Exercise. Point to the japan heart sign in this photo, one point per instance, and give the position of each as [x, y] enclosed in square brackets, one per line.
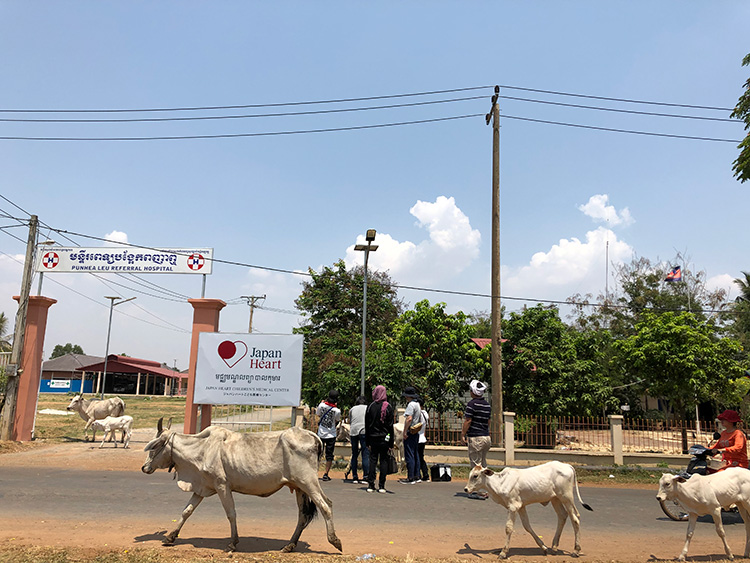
[248, 369]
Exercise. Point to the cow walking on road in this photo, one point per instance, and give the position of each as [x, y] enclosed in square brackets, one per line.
[552, 482]
[218, 461]
[708, 494]
[93, 409]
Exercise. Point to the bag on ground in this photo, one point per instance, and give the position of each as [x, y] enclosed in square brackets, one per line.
[392, 464]
[440, 472]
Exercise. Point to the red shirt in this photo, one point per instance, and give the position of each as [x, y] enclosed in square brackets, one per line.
[733, 446]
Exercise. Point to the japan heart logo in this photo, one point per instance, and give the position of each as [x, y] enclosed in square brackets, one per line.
[232, 352]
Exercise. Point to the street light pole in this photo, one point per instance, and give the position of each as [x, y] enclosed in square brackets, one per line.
[112, 305]
[366, 248]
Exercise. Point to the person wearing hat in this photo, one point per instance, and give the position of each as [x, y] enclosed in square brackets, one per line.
[412, 425]
[732, 444]
[475, 431]
[329, 417]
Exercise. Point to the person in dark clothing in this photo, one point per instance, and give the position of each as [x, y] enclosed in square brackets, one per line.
[423, 442]
[379, 436]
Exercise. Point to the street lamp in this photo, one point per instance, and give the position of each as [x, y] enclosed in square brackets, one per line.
[366, 248]
[41, 272]
[112, 305]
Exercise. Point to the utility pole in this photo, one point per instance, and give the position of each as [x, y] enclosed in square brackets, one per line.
[251, 301]
[496, 350]
[13, 373]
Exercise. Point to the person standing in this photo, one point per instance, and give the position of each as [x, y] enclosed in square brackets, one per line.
[329, 416]
[359, 440]
[732, 443]
[423, 442]
[412, 425]
[379, 437]
[475, 431]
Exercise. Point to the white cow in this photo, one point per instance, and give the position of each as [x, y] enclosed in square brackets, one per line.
[551, 482]
[219, 461]
[112, 423]
[94, 409]
[708, 494]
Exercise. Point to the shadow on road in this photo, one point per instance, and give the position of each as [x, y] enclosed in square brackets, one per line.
[249, 544]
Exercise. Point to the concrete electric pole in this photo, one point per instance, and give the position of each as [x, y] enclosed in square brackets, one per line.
[13, 373]
[496, 350]
[251, 301]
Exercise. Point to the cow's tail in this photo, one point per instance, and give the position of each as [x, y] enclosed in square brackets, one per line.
[578, 493]
[319, 443]
[309, 510]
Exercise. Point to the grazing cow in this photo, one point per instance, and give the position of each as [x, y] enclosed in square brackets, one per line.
[708, 494]
[94, 409]
[551, 482]
[112, 423]
[219, 461]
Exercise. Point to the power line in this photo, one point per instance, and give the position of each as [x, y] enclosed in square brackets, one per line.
[615, 130]
[615, 110]
[246, 116]
[239, 135]
[609, 99]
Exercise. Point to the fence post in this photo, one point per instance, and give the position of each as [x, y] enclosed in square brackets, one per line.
[615, 426]
[509, 435]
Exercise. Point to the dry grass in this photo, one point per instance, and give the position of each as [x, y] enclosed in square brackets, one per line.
[145, 411]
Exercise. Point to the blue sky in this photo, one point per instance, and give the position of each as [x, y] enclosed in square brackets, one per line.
[297, 201]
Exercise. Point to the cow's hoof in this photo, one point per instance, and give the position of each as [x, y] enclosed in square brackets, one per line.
[168, 542]
[502, 555]
[337, 544]
[230, 548]
[288, 548]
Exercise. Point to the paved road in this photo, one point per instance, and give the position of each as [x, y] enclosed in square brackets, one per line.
[142, 506]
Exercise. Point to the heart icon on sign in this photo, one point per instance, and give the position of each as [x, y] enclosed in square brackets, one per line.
[232, 352]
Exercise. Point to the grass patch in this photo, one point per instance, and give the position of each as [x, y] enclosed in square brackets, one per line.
[145, 411]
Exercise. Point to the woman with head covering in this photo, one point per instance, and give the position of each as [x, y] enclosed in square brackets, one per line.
[732, 443]
[476, 428]
[379, 437]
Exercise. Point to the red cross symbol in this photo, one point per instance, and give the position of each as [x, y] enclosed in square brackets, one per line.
[195, 261]
[50, 260]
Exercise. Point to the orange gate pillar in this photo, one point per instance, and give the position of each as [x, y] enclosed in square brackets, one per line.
[205, 319]
[31, 364]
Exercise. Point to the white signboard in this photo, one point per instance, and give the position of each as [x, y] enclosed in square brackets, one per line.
[59, 383]
[128, 260]
[248, 369]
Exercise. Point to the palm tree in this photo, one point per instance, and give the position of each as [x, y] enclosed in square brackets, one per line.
[744, 287]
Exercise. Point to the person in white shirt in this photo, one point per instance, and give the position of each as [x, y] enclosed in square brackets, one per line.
[329, 416]
[359, 441]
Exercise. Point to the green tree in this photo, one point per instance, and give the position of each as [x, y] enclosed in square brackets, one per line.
[5, 345]
[332, 304]
[680, 358]
[69, 348]
[440, 358]
[739, 313]
[481, 324]
[551, 369]
[742, 111]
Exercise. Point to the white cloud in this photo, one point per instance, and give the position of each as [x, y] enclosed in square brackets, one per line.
[598, 210]
[569, 267]
[116, 237]
[452, 241]
[725, 282]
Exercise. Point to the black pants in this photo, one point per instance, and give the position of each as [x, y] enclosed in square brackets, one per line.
[422, 462]
[378, 453]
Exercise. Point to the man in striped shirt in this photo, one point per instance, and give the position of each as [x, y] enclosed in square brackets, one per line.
[476, 428]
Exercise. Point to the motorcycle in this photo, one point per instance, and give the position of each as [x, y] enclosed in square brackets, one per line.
[699, 464]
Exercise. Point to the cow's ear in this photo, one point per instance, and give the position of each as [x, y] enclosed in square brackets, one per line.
[680, 479]
[488, 472]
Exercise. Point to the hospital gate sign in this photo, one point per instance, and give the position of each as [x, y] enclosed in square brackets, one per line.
[126, 260]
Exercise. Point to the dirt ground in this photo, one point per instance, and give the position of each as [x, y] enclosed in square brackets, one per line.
[431, 541]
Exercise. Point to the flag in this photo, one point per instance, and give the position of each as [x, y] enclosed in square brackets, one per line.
[675, 275]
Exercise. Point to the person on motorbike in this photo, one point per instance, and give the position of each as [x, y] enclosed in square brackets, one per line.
[732, 444]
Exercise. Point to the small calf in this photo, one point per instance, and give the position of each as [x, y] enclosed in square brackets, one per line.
[112, 423]
[553, 482]
[708, 494]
